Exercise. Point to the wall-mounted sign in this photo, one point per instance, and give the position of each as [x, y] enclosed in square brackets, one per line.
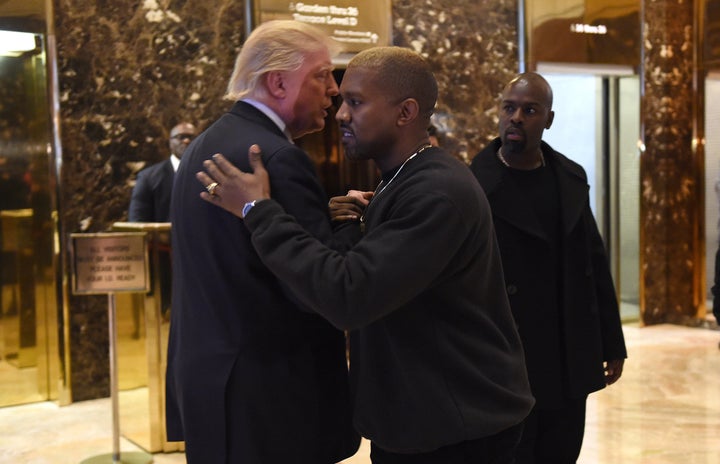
[583, 32]
[109, 262]
[355, 24]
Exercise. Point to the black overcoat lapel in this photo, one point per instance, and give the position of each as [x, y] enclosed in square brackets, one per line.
[510, 206]
[507, 202]
[573, 188]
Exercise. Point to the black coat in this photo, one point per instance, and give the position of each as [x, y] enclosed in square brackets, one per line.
[590, 330]
[150, 201]
[715, 289]
[241, 352]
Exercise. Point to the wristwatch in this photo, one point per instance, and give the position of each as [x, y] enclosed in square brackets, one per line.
[248, 206]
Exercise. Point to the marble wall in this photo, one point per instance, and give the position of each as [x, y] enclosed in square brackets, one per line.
[130, 70]
[473, 49]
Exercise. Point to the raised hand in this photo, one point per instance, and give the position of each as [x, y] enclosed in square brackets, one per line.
[349, 207]
[230, 188]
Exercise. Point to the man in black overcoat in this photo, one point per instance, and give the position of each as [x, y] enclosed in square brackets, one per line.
[556, 272]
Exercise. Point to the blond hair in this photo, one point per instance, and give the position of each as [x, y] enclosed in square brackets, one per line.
[279, 45]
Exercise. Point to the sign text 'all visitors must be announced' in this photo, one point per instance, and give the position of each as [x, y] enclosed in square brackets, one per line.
[110, 262]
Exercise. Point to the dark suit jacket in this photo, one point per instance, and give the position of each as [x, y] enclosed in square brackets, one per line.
[715, 289]
[590, 330]
[150, 201]
[247, 368]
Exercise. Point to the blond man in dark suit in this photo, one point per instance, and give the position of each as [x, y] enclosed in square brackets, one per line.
[251, 377]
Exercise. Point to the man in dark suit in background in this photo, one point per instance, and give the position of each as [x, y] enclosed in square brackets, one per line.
[556, 272]
[715, 289]
[252, 378]
[150, 201]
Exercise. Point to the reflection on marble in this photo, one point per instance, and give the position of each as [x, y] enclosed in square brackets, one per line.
[666, 407]
[17, 385]
[664, 410]
[43, 433]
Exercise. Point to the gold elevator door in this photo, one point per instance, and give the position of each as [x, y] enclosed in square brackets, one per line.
[28, 283]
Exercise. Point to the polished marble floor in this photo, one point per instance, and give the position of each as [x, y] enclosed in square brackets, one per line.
[665, 410]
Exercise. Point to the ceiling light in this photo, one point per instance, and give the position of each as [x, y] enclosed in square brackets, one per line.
[15, 43]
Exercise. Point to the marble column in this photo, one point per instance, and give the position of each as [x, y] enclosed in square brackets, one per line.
[671, 206]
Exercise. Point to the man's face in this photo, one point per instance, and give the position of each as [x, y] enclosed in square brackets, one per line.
[180, 137]
[524, 115]
[309, 91]
[366, 117]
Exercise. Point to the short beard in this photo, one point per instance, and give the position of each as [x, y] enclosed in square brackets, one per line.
[350, 153]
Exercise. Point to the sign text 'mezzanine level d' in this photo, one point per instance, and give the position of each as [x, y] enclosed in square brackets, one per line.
[110, 262]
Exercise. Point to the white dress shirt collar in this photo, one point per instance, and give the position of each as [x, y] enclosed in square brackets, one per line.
[175, 161]
[270, 114]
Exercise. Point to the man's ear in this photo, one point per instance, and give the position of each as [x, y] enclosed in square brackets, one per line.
[275, 84]
[409, 110]
[550, 119]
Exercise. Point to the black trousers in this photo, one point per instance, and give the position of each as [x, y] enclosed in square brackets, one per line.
[495, 449]
[553, 435]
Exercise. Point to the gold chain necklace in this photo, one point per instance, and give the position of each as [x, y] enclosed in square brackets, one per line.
[384, 186]
[504, 161]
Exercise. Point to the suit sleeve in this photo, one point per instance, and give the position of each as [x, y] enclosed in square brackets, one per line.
[390, 266]
[716, 287]
[141, 202]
